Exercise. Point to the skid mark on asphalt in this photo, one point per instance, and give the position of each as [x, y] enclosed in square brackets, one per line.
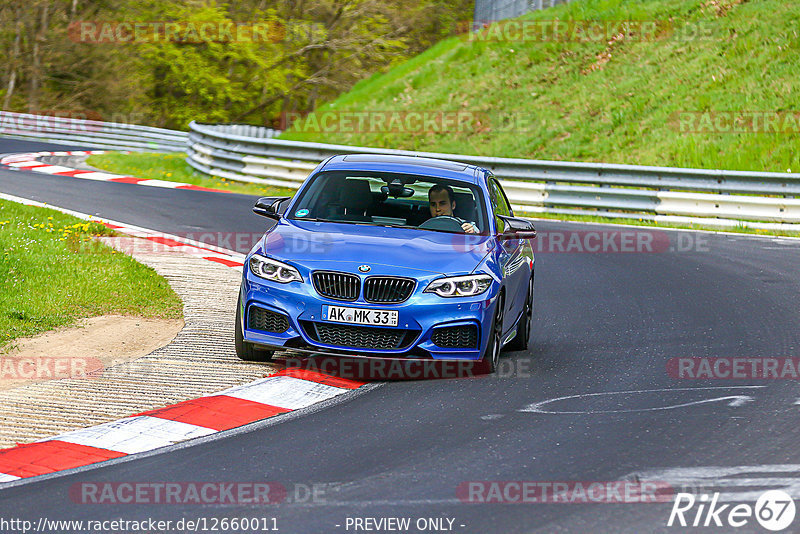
[743, 483]
[734, 401]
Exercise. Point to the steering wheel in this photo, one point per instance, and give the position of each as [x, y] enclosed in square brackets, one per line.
[445, 223]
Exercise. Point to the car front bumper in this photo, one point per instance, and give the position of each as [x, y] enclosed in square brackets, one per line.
[417, 316]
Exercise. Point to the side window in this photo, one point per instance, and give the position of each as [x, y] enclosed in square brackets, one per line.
[499, 203]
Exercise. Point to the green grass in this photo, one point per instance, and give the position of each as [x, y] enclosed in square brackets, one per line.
[52, 273]
[557, 107]
[173, 168]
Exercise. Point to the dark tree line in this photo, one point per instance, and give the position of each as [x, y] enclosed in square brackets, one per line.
[81, 57]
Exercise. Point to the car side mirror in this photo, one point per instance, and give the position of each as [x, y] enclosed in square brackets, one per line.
[272, 207]
[516, 228]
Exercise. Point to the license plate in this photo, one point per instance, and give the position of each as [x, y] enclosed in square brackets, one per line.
[341, 314]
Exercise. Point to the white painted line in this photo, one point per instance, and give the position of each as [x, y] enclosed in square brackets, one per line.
[7, 478]
[206, 254]
[195, 251]
[30, 162]
[143, 245]
[134, 434]
[97, 175]
[24, 163]
[161, 183]
[284, 392]
[17, 157]
[125, 228]
[52, 169]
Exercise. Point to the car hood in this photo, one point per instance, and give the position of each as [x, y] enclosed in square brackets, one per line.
[326, 245]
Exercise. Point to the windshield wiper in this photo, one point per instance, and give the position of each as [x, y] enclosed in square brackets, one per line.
[312, 219]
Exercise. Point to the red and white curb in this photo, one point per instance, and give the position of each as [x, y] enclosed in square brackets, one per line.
[30, 162]
[164, 242]
[281, 392]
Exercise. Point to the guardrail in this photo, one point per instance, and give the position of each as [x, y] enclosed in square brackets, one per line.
[486, 11]
[90, 133]
[251, 154]
[716, 197]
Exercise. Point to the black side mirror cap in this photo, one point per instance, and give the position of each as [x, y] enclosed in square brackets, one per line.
[272, 207]
[517, 228]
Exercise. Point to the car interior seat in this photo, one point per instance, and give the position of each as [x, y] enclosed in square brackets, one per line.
[465, 207]
[355, 198]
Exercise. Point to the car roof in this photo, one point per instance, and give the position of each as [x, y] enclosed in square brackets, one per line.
[439, 168]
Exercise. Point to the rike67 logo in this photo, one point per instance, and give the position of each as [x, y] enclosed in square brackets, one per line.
[774, 510]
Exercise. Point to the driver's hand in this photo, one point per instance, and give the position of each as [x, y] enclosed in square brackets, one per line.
[469, 228]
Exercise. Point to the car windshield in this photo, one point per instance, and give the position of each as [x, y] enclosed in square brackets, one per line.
[387, 199]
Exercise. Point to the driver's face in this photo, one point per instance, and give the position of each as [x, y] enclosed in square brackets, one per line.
[440, 204]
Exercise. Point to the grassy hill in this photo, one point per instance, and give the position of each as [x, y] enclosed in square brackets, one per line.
[619, 98]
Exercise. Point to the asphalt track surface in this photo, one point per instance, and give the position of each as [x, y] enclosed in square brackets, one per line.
[603, 322]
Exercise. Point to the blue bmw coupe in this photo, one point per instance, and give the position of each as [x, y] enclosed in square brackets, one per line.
[397, 257]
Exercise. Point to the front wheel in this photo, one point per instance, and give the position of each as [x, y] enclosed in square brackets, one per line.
[491, 355]
[520, 341]
[244, 350]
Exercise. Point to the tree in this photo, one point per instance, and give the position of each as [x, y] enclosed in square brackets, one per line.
[312, 53]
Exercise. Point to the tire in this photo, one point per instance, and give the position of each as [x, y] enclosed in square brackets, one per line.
[520, 341]
[491, 356]
[244, 350]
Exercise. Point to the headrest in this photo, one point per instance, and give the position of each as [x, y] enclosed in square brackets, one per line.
[355, 195]
[465, 206]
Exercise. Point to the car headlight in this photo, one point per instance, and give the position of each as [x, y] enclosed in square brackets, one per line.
[460, 286]
[274, 270]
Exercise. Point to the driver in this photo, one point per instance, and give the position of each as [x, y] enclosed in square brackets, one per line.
[442, 204]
